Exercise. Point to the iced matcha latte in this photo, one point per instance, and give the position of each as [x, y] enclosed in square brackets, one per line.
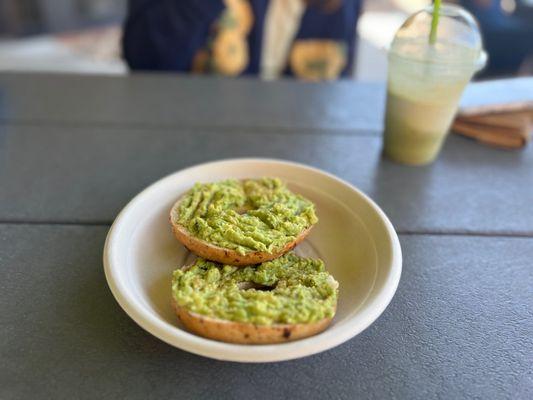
[426, 80]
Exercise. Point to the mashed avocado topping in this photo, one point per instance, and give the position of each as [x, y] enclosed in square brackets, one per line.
[287, 290]
[251, 215]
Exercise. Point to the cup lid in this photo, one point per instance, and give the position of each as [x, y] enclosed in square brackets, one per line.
[456, 40]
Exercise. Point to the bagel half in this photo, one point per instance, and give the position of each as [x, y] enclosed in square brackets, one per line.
[246, 333]
[223, 255]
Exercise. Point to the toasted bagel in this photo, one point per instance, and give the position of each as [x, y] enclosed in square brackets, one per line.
[214, 252]
[247, 332]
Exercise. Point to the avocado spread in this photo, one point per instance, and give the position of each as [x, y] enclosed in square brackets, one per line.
[287, 290]
[245, 216]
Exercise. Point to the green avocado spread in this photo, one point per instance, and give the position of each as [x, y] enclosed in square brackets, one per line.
[250, 215]
[287, 290]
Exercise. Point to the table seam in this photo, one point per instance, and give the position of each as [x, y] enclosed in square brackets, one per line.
[401, 232]
[281, 129]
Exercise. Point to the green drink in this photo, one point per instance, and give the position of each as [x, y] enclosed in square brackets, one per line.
[426, 80]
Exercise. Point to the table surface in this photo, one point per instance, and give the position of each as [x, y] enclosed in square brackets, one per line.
[74, 150]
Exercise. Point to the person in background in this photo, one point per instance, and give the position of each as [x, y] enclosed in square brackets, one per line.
[507, 28]
[308, 39]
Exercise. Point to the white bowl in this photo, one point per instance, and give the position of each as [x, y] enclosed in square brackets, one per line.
[353, 237]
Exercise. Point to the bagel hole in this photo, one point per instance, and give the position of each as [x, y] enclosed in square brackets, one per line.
[256, 286]
[242, 210]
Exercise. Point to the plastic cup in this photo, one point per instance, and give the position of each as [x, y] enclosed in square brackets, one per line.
[426, 80]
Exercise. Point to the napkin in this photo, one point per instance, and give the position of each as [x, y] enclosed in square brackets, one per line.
[498, 120]
[508, 128]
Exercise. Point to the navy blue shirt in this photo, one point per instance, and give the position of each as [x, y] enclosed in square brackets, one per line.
[207, 36]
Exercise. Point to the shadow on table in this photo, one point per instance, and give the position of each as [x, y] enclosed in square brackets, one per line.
[463, 152]
[411, 195]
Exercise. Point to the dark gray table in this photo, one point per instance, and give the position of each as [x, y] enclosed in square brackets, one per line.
[74, 150]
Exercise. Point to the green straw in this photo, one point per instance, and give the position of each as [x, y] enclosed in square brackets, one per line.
[434, 22]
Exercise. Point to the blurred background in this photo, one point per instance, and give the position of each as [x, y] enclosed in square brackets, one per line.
[83, 36]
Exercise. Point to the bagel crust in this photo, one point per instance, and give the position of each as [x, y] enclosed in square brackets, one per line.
[246, 333]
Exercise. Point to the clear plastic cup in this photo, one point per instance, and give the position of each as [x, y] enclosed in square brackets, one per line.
[426, 80]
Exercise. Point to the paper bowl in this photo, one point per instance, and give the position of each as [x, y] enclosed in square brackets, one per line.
[353, 236]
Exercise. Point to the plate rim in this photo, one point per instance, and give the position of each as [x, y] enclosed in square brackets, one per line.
[189, 342]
